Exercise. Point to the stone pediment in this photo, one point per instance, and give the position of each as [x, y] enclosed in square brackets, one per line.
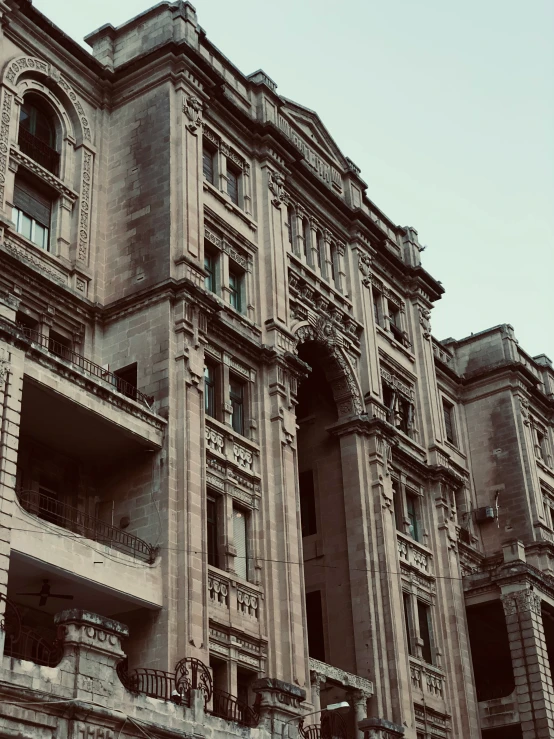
[311, 128]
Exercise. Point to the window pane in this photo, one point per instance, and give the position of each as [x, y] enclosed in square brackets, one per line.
[236, 393]
[411, 507]
[397, 500]
[208, 165]
[25, 224]
[240, 542]
[209, 266]
[306, 234]
[232, 185]
[448, 421]
[320, 251]
[333, 256]
[235, 291]
[407, 621]
[424, 618]
[209, 391]
[213, 558]
[40, 236]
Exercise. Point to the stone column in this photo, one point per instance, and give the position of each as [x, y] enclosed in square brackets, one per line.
[316, 681]
[91, 653]
[380, 728]
[280, 707]
[358, 700]
[534, 688]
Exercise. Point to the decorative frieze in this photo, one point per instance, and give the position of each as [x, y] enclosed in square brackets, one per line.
[218, 591]
[214, 440]
[243, 457]
[248, 602]
[232, 251]
[396, 382]
[4, 140]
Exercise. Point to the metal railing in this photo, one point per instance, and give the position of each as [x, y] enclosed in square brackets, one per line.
[226, 706]
[332, 726]
[64, 352]
[154, 683]
[24, 642]
[54, 511]
[38, 151]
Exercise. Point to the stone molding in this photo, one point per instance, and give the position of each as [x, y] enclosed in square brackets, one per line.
[380, 728]
[346, 679]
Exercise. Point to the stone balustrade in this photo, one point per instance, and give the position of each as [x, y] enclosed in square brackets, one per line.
[224, 443]
[427, 679]
[225, 592]
[414, 554]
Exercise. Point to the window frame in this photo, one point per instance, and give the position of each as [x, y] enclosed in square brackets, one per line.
[210, 388]
[209, 152]
[239, 401]
[236, 173]
[427, 645]
[213, 525]
[236, 291]
[308, 504]
[211, 267]
[240, 513]
[449, 417]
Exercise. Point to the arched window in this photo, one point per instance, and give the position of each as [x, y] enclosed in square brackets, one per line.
[37, 133]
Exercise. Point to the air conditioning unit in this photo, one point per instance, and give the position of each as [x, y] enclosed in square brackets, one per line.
[485, 515]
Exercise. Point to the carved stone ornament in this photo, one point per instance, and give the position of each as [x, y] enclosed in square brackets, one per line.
[524, 410]
[193, 107]
[364, 264]
[521, 601]
[425, 322]
[276, 184]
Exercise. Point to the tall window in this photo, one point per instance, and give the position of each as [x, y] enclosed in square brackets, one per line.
[233, 175]
[425, 630]
[290, 226]
[235, 289]
[377, 307]
[408, 622]
[208, 159]
[333, 264]
[397, 502]
[236, 396]
[448, 412]
[209, 390]
[320, 250]
[37, 136]
[394, 321]
[307, 503]
[314, 619]
[210, 265]
[412, 510]
[212, 532]
[306, 235]
[32, 212]
[240, 541]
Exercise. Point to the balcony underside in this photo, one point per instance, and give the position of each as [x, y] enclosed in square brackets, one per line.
[69, 419]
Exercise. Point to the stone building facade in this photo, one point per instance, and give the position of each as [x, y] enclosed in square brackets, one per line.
[240, 481]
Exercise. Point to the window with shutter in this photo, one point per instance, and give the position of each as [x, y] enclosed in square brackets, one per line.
[31, 212]
[240, 542]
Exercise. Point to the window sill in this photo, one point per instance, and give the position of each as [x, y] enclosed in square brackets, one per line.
[396, 344]
[228, 203]
[43, 261]
[541, 464]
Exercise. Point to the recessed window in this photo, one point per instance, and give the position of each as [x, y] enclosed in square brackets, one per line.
[320, 251]
[448, 412]
[31, 212]
[208, 162]
[240, 541]
[307, 503]
[37, 135]
[233, 176]
[235, 289]
[290, 224]
[412, 511]
[397, 502]
[314, 620]
[333, 257]
[210, 267]
[377, 308]
[394, 321]
[306, 239]
[425, 631]
[408, 622]
[210, 375]
[212, 532]
[236, 396]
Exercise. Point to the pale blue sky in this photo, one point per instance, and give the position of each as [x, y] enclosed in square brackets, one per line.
[448, 108]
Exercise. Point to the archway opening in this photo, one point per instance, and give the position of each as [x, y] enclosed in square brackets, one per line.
[328, 601]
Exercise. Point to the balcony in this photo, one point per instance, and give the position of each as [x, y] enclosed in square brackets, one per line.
[90, 368]
[225, 705]
[414, 554]
[332, 726]
[39, 151]
[72, 519]
[27, 643]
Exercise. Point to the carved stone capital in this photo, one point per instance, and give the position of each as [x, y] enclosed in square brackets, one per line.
[521, 601]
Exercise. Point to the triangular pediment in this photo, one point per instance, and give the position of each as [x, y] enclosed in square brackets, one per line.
[310, 126]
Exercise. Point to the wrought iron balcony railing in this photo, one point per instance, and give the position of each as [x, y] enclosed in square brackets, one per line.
[24, 642]
[63, 352]
[332, 726]
[39, 151]
[70, 518]
[228, 707]
[190, 674]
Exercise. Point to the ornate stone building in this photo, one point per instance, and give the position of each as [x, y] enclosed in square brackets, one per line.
[231, 448]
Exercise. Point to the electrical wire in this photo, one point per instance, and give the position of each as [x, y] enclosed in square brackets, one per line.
[373, 570]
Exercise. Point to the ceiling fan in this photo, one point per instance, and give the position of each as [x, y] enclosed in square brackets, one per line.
[44, 593]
